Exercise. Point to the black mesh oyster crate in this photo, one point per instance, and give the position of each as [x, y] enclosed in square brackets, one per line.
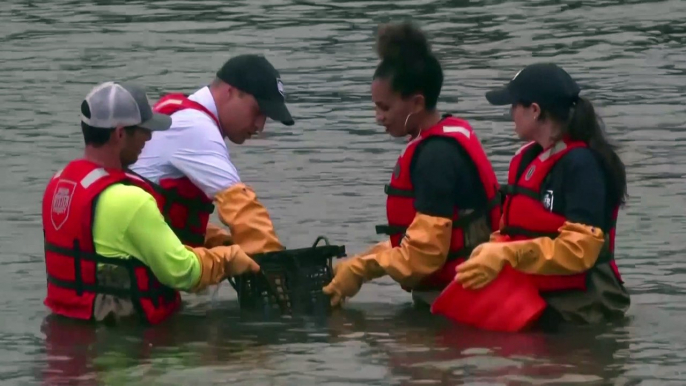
[289, 281]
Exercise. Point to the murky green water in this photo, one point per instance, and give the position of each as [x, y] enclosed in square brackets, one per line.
[325, 176]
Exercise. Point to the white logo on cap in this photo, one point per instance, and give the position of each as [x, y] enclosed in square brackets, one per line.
[516, 75]
[279, 86]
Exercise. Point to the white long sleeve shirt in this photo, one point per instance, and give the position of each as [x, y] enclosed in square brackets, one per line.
[192, 147]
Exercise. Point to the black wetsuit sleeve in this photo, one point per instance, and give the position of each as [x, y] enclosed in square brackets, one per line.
[585, 192]
[444, 177]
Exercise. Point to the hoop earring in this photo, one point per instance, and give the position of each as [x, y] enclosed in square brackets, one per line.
[407, 119]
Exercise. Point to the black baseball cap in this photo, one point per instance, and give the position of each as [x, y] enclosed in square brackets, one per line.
[543, 83]
[254, 75]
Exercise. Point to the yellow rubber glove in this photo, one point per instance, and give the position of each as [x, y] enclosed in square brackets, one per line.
[218, 263]
[423, 251]
[349, 274]
[575, 250]
[376, 248]
[216, 236]
[247, 219]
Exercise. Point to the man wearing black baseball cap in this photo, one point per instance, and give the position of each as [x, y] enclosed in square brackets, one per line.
[254, 75]
[190, 162]
[564, 191]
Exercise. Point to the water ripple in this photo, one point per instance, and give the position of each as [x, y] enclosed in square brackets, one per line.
[325, 175]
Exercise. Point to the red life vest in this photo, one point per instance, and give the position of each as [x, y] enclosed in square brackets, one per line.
[70, 258]
[400, 209]
[526, 217]
[185, 207]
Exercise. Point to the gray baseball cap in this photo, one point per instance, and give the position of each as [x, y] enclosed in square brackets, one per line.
[112, 104]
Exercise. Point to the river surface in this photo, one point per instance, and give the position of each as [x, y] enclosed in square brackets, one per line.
[325, 175]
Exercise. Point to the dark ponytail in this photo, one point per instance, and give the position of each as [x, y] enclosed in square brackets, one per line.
[585, 125]
[407, 61]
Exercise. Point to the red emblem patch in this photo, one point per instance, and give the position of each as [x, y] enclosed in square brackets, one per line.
[61, 202]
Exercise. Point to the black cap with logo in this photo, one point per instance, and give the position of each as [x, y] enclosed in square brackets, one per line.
[543, 83]
[254, 75]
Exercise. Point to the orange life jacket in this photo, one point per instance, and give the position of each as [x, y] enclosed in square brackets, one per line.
[400, 209]
[526, 217]
[70, 258]
[185, 207]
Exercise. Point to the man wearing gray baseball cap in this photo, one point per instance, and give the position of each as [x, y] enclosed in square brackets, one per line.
[109, 253]
[118, 116]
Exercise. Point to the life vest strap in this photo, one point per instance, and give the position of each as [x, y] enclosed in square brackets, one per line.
[513, 231]
[389, 230]
[391, 191]
[133, 292]
[461, 222]
[77, 285]
[78, 254]
[513, 190]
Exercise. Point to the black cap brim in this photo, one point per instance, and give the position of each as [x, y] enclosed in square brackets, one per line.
[158, 122]
[276, 110]
[500, 97]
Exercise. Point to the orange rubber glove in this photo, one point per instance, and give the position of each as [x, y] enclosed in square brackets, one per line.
[423, 251]
[575, 250]
[218, 263]
[247, 219]
[376, 248]
[216, 236]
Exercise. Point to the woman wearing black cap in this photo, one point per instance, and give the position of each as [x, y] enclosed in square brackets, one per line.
[565, 188]
[443, 194]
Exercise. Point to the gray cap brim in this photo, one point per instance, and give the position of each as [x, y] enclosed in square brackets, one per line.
[276, 110]
[500, 97]
[158, 122]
